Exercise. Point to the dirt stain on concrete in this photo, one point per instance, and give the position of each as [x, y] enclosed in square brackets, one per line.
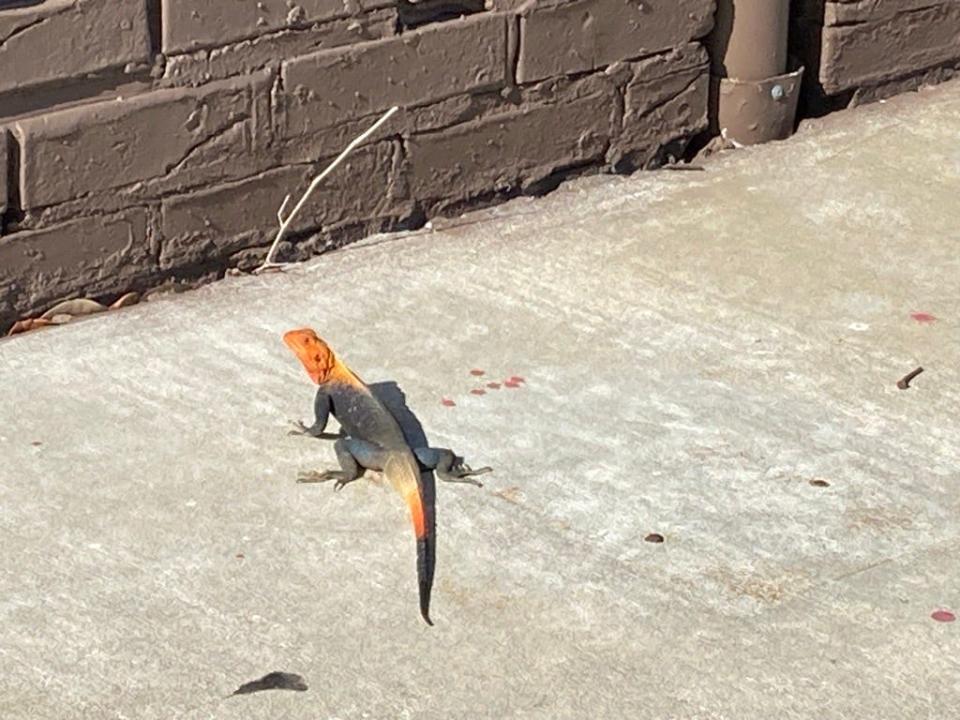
[878, 519]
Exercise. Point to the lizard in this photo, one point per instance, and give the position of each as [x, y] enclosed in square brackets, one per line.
[370, 438]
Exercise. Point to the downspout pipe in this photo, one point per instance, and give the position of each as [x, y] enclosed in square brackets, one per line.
[755, 91]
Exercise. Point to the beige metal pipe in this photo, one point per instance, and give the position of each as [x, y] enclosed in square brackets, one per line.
[749, 39]
[754, 93]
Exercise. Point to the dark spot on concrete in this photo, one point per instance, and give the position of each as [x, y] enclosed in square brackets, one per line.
[904, 382]
[654, 538]
[477, 372]
[36, 443]
[478, 391]
[943, 616]
[511, 384]
[517, 379]
[447, 402]
[817, 482]
[493, 385]
[240, 556]
[273, 681]
[923, 317]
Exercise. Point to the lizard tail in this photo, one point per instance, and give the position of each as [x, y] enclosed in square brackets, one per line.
[404, 475]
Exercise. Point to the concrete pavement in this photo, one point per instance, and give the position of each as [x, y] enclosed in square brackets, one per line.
[711, 356]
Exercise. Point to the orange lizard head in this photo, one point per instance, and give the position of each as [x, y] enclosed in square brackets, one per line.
[317, 357]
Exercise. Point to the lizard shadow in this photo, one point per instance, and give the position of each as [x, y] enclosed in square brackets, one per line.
[393, 398]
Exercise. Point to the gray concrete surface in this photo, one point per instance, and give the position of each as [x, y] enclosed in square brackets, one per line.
[697, 347]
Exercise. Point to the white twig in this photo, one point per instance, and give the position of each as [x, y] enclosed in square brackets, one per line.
[283, 207]
[286, 220]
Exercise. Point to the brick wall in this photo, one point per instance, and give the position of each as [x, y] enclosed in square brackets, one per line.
[149, 140]
[860, 50]
[143, 140]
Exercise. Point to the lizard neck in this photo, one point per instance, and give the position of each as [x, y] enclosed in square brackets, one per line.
[343, 375]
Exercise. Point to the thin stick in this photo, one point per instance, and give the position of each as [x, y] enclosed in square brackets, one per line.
[283, 206]
[286, 221]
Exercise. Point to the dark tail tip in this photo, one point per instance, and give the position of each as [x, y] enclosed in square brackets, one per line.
[425, 606]
[425, 565]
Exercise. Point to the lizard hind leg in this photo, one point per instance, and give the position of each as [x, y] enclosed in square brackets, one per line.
[448, 466]
[350, 469]
[354, 456]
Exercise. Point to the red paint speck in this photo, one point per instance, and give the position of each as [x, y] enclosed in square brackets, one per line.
[943, 616]
[511, 383]
[517, 379]
[477, 372]
[478, 391]
[493, 385]
[922, 317]
[447, 402]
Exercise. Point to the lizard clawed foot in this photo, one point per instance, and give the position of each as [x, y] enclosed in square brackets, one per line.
[298, 428]
[463, 470]
[314, 476]
[461, 480]
[462, 473]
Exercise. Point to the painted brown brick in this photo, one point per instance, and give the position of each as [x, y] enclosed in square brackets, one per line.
[244, 56]
[106, 145]
[871, 44]
[589, 34]
[62, 39]
[515, 148]
[848, 12]
[415, 68]
[87, 256]
[221, 220]
[665, 99]
[193, 24]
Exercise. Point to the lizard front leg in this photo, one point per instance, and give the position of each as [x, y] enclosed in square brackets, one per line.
[321, 411]
[449, 467]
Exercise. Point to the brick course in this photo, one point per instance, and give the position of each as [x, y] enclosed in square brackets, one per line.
[193, 24]
[245, 56]
[415, 68]
[88, 256]
[216, 222]
[99, 147]
[468, 159]
[62, 39]
[588, 34]
[860, 50]
[871, 44]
